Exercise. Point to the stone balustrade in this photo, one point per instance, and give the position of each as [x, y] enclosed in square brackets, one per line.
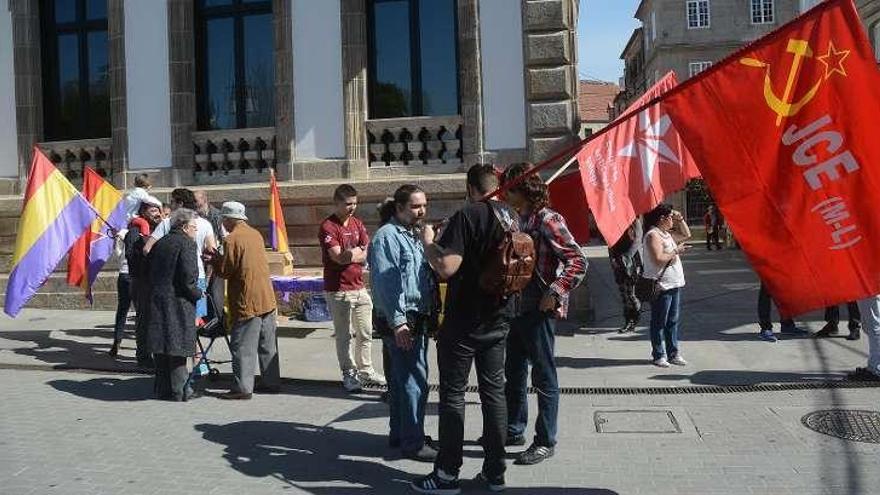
[414, 141]
[235, 155]
[71, 157]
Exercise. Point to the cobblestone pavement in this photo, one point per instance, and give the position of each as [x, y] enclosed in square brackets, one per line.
[73, 433]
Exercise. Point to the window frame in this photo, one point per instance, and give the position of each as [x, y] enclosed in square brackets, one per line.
[237, 11]
[415, 68]
[50, 31]
[875, 38]
[697, 4]
[762, 13]
[701, 66]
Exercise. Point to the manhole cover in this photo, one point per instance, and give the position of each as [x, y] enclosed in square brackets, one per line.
[636, 421]
[858, 426]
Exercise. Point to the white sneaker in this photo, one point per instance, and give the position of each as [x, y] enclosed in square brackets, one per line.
[660, 363]
[678, 361]
[372, 378]
[350, 382]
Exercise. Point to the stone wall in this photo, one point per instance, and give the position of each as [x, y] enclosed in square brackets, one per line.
[550, 39]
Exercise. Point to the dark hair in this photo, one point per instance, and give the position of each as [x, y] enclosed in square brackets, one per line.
[142, 180]
[533, 187]
[652, 218]
[184, 197]
[482, 177]
[401, 197]
[344, 192]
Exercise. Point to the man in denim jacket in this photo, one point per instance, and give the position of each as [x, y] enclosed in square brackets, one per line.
[404, 297]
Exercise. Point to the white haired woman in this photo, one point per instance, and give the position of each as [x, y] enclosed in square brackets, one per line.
[174, 293]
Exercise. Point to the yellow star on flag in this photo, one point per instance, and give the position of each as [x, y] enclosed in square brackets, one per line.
[833, 60]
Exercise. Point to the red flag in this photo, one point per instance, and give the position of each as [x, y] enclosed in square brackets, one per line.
[78, 256]
[629, 169]
[568, 198]
[785, 135]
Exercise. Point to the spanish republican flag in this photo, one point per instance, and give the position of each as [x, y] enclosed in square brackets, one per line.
[95, 246]
[785, 134]
[277, 227]
[53, 216]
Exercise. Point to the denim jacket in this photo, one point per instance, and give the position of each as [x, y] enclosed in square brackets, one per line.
[400, 276]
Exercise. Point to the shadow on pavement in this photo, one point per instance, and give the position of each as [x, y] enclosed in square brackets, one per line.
[68, 352]
[737, 377]
[319, 460]
[108, 389]
[584, 363]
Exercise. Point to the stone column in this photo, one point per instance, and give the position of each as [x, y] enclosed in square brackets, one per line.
[470, 82]
[551, 86]
[354, 77]
[284, 121]
[181, 41]
[28, 80]
[118, 109]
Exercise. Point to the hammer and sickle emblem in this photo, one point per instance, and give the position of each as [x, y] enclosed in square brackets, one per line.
[783, 107]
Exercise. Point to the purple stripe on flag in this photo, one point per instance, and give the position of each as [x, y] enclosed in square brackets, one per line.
[273, 235]
[118, 218]
[100, 251]
[41, 259]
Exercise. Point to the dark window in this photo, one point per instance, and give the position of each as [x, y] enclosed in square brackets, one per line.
[235, 64]
[413, 58]
[76, 92]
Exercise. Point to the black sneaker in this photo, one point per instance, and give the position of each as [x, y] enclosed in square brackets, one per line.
[854, 334]
[493, 484]
[534, 454]
[424, 454]
[514, 441]
[826, 331]
[437, 485]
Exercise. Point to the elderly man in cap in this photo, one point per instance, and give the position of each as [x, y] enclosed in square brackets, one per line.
[251, 305]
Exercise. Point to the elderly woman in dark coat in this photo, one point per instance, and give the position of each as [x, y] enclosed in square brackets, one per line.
[172, 330]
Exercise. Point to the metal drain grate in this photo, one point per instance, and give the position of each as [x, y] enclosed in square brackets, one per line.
[854, 425]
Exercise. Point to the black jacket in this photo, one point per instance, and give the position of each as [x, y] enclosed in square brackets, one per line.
[173, 295]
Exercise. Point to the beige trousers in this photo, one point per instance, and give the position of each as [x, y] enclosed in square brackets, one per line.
[352, 313]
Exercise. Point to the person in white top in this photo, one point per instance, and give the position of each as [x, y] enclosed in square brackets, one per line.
[664, 242]
[137, 194]
[184, 198]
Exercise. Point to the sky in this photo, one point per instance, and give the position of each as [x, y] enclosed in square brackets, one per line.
[604, 27]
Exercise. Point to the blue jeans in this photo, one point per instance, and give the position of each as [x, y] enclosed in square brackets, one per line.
[408, 392]
[664, 324]
[532, 340]
[202, 304]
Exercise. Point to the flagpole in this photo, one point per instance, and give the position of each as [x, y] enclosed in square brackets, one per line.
[561, 170]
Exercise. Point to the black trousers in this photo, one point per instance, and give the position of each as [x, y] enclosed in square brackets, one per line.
[764, 311]
[171, 375]
[123, 304]
[832, 315]
[456, 350]
[143, 324]
[711, 237]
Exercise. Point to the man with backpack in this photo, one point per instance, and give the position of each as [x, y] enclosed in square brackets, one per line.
[560, 267]
[475, 326]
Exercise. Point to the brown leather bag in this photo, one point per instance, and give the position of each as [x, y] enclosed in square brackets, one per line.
[509, 266]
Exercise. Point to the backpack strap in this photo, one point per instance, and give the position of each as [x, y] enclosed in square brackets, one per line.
[508, 223]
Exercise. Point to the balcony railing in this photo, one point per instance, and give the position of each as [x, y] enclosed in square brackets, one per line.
[414, 141]
[235, 155]
[71, 157]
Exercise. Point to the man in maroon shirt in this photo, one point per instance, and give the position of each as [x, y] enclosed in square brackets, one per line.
[344, 244]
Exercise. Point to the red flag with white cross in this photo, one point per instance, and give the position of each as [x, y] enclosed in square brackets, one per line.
[785, 133]
[630, 168]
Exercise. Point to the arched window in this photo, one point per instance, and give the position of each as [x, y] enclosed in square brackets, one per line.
[413, 50]
[76, 93]
[235, 65]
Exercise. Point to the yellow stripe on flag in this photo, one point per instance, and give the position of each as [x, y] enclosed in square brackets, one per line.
[106, 199]
[40, 211]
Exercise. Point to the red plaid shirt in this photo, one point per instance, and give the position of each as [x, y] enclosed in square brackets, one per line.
[560, 265]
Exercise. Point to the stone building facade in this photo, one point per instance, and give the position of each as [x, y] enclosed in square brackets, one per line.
[515, 62]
